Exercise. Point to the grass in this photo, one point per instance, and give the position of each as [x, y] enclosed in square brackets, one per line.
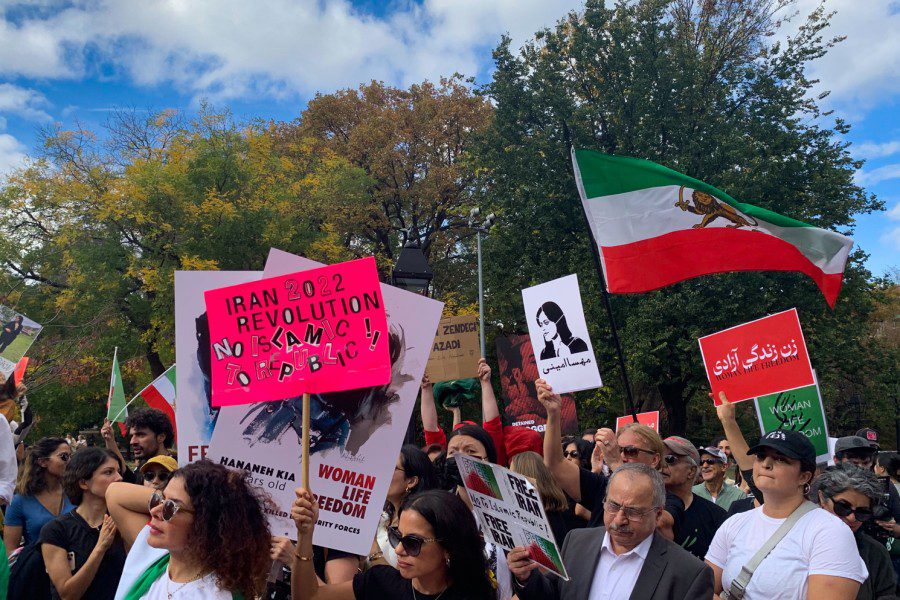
[18, 348]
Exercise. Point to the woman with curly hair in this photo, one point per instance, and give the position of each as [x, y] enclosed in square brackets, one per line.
[207, 536]
[39, 494]
[439, 555]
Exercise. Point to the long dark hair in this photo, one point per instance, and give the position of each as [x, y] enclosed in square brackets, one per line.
[230, 532]
[555, 314]
[584, 447]
[33, 476]
[454, 526]
[81, 468]
[417, 464]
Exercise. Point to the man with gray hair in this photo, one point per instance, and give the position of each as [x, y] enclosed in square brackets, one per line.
[626, 559]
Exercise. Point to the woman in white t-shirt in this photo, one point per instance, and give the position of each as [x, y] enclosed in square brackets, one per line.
[816, 560]
[207, 536]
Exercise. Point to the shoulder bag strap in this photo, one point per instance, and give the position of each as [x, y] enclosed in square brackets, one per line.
[739, 583]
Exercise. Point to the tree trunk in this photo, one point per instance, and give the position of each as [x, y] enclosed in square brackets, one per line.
[672, 395]
[157, 367]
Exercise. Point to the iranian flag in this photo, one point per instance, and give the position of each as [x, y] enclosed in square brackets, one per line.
[655, 227]
[160, 394]
[116, 408]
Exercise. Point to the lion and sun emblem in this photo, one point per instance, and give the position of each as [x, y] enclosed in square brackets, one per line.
[711, 209]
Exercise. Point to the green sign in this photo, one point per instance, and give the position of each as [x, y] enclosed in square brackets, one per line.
[799, 409]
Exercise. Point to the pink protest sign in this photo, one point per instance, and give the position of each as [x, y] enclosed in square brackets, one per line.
[317, 331]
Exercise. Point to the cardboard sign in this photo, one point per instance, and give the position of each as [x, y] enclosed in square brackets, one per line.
[456, 349]
[510, 511]
[17, 334]
[558, 330]
[650, 419]
[322, 330]
[761, 357]
[355, 435]
[801, 410]
[518, 372]
[195, 415]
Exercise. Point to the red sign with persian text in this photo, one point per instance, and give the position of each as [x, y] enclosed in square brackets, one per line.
[765, 356]
[650, 419]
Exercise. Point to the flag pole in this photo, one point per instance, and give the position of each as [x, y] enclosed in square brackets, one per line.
[598, 264]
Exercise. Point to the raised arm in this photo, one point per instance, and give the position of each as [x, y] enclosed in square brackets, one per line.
[489, 408]
[129, 506]
[304, 583]
[109, 439]
[429, 412]
[566, 473]
[733, 434]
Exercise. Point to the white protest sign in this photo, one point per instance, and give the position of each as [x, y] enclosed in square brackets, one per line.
[355, 435]
[17, 334]
[194, 415]
[510, 511]
[559, 335]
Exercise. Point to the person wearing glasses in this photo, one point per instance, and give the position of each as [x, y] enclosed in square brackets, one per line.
[713, 469]
[849, 493]
[82, 552]
[39, 496]
[626, 558]
[633, 443]
[439, 555]
[861, 452]
[817, 558]
[207, 537]
[701, 517]
[157, 471]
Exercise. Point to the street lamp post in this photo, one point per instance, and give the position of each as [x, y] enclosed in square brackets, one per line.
[480, 228]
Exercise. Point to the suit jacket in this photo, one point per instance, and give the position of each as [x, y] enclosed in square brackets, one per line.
[669, 572]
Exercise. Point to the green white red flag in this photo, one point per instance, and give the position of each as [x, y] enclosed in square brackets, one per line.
[655, 227]
[116, 408]
[160, 394]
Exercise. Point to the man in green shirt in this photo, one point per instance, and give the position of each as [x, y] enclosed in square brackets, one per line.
[713, 465]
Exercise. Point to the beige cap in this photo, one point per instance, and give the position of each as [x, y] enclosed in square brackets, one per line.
[161, 459]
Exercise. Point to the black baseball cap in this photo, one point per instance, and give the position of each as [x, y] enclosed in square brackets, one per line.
[792, 444]
[870, 435]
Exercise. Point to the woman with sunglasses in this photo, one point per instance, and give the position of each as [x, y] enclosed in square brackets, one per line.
[849, 492]
[816, 559]
[439, 555]
[82, 552]
[207, 537]
[39, 494]
[156, 471]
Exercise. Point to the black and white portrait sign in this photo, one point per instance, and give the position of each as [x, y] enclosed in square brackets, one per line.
[559, 335]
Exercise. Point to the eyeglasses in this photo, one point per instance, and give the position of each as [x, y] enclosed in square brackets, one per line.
[710, 461]
[632, 514]
[671, 459]
[152, 476]
[170, 508]
[64, 456]
[412, 543]
[633, 451]
[842, 508]
[573, 454]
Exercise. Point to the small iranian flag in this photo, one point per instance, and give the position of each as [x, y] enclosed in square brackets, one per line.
[655, 227]
[116, 408]
[160, 394]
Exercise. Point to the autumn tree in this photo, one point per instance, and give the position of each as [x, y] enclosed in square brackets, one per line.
[702, 88]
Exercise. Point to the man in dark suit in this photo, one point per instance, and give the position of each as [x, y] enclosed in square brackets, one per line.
[627, 559]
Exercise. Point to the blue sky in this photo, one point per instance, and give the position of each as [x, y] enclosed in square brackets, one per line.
[68, 61]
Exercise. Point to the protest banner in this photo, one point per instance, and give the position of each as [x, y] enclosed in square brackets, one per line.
[650, 419]
[510, 511]
[17, 334]
[518, 372]
[762, 357]
[800, 409]
[315, 331]
[455, 351]
[194, 414]
[556, 325]
[356, 434]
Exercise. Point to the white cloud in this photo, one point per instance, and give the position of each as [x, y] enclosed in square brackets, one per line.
[875, 150]
[26, 103]
[875, 176]
[12, 153]
[235, 48]
[891, 237]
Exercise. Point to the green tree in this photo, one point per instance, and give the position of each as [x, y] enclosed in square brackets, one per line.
[701, 88]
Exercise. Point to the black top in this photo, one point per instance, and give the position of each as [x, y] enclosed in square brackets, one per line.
[73, 534]
[382, 582]
[740, 506]
[755, 491]
[701, 521]
[562, 522]
[881, 579]
[593, 490]
[321, 556]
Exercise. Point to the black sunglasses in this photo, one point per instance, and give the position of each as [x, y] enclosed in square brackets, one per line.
[573, 454]
[842, 508]
[170, 508]
[710, 461]
[633, 451]
[412, 543]
[152, 476]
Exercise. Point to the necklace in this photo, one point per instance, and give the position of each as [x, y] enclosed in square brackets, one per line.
[415, 596]
[170, 594]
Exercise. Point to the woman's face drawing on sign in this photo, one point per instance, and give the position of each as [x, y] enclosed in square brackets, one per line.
[547, 325]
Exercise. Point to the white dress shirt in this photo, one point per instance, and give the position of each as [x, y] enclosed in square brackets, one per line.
[616, 575]
[9, 467]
